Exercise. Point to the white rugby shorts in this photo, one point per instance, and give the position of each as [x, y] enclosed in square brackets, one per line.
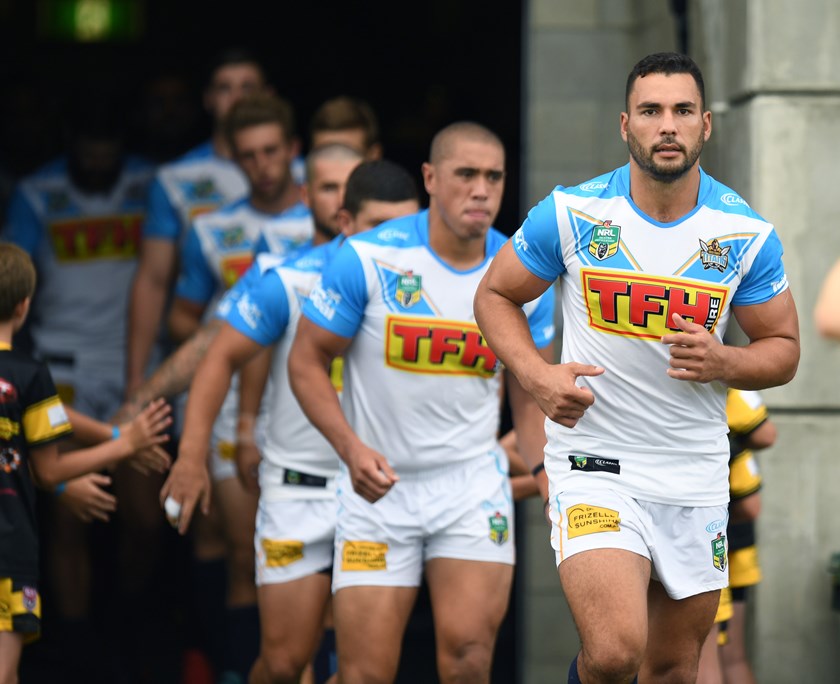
[462, 511]
[294, 538]
[687, 547]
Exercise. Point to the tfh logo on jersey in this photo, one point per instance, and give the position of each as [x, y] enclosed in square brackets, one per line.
[605, 239]
[635, 305]
[409, 289]
[233, 267]
[96, 237]
[436, 346]
[712, 255]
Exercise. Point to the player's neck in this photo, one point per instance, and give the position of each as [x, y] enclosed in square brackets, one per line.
[664, 202]
[220, 145]
[286, 199]
[460, 253]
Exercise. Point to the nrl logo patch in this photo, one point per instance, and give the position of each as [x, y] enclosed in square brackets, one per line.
[712, 255]
[409, 288]
[605, 239]
[719, 552]
[499, 530]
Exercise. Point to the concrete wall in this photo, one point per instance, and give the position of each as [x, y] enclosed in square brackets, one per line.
[773, 82]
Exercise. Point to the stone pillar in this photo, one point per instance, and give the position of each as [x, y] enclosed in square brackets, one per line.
[775, 93]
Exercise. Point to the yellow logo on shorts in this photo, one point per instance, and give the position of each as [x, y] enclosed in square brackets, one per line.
[227, 451]
[363, 555]
[281, 552]
[586, 519]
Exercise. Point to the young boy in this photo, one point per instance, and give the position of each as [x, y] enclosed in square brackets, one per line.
[32, 421]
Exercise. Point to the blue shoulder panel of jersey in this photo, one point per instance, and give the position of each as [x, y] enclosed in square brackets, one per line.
[338, 300]
[610, 184]
[766, 277]
[261, 311]
[716, 195]
[196, 281]
[537, 241]
[22, 225]
[404, 231]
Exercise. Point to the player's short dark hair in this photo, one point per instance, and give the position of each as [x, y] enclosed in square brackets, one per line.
[381, 180]
[17, 278]
[666, 63]
[343, 113]
[234, 56]
[259, 109]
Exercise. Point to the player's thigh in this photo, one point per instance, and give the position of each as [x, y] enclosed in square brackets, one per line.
[607, 593]
[709, 669]
[369, 625]
[676, 631]
[469, 599]
[292, 615]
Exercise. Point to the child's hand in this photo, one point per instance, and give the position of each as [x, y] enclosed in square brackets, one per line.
[88, 499]
[150, 460]
[148, 428]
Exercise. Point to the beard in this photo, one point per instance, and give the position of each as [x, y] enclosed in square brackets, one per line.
[664, 172]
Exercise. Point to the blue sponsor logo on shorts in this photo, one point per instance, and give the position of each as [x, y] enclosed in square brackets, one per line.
[716, 525]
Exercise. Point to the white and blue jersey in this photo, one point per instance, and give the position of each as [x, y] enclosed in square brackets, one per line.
[265, 306]
[85, 248]
[274, 235]
[421, 386]
[219, 247]
[198, 182]
[623, 275]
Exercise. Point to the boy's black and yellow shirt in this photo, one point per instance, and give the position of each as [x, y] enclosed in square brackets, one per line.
[31, 416]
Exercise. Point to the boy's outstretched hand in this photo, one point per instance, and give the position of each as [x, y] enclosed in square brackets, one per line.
[145, 433]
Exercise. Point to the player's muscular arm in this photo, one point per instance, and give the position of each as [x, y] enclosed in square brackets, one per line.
[312, 352]
[188, 482]
[174, 375]
[827, 309]
[154, 276]
[252, 381]
[763, 437]
[770, 358]
[506, 286]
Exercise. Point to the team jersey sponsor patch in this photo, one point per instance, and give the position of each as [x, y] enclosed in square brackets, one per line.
[585, 519]
[281, 552]
[499, 529]
[591, 464]
[409, 289]
[630, 304]
[9, 460]
[363, 555]
[605, 240]
[227, 450]
[233, 267]
[719, 552]
[437, 346]
[712, 255]
[96, 237]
